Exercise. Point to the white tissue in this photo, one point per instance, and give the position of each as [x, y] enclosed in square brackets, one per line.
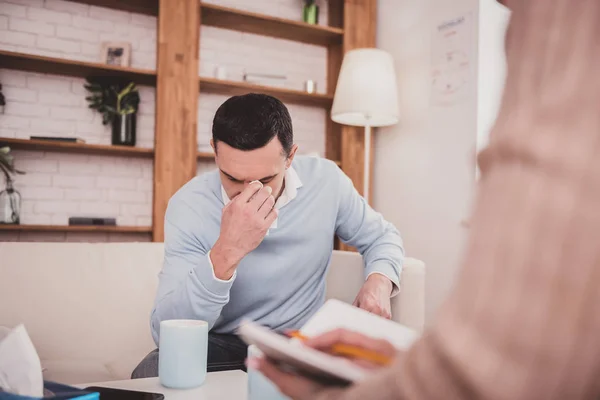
[20, 367]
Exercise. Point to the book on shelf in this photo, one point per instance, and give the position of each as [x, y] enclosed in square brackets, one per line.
[92, 221]
[58, 139]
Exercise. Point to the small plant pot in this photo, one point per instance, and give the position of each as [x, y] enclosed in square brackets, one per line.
[123, 129]
[310, 14]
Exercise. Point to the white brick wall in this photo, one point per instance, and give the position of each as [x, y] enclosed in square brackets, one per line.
[75, 31]
[59, 185]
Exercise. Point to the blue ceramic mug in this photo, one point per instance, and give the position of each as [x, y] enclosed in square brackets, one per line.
[182, 354]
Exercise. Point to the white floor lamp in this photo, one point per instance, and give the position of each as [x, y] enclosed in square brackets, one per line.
[366, 95]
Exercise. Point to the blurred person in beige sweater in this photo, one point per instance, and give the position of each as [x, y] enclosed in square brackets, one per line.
[523, 320]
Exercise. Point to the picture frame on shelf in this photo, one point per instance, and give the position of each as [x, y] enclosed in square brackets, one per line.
[116, 53]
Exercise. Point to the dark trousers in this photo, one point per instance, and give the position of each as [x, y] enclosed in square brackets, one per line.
[225, 352]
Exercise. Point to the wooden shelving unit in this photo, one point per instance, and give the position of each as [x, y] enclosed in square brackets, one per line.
[352, 24]
[239, 20]
[79, 69]
[80, 148]
[260, 24]
[211, 85]
[76, 228]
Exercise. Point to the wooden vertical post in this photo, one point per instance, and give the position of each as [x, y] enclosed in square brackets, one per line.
[360, 30]
[175, 141]
[335, 54]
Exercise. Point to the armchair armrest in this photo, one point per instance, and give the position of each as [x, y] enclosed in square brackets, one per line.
[408, 307]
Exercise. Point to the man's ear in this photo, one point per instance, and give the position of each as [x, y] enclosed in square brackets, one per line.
[290, 158]
[214, 147]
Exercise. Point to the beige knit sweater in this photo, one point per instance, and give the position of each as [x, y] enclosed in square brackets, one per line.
[523, 321]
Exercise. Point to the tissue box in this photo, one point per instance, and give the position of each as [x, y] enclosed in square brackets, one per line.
[59, 392]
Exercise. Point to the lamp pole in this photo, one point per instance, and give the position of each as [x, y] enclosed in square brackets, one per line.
[367, 166]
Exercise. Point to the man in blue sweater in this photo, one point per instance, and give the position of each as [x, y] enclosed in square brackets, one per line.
[254, 238]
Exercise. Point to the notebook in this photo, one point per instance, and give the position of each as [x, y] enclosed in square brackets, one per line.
[328, 369]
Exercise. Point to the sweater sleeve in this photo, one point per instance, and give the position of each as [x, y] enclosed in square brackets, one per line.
[358, 225]
[188, 288]
[522, 321]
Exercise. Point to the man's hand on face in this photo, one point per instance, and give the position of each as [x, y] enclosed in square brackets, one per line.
[244, 224]
[374, 296]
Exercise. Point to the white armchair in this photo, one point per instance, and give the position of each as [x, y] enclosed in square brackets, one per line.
[346, 276]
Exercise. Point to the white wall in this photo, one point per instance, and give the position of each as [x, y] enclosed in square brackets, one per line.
[492, 66]
[425, 166]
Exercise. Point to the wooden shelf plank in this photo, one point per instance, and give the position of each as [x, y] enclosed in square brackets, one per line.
[206, 155]
[75, 228]
[245, 21]
[81, 148]
[148, 7]
[229, 88]
[80, 69]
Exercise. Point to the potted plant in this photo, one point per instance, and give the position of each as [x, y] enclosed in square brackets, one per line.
[310, 12]
[118, 103]
[10, 199]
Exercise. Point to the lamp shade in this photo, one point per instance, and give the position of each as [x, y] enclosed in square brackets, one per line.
[366, 91]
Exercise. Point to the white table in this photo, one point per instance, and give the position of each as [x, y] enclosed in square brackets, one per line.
[229, 385]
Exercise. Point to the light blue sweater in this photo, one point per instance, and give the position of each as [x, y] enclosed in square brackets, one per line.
[282, 282]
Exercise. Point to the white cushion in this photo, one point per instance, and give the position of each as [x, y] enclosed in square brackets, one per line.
[85, 304]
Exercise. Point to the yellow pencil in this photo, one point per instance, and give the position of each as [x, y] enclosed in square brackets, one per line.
[351, 351]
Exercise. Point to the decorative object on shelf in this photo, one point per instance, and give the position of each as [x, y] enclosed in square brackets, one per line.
[366, 95]
[221, 72]
[2, 100]
[310, 12]
[259, 78]
[92, 221]
[10, 199]
[58, 139]
[118, 103]
[116, 53]
[310, 86]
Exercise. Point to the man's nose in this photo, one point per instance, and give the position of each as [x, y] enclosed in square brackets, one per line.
[247, 183]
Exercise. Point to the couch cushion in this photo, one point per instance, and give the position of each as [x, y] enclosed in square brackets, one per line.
[86, 305]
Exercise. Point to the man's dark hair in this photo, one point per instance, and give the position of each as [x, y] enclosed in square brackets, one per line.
[251, 121]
